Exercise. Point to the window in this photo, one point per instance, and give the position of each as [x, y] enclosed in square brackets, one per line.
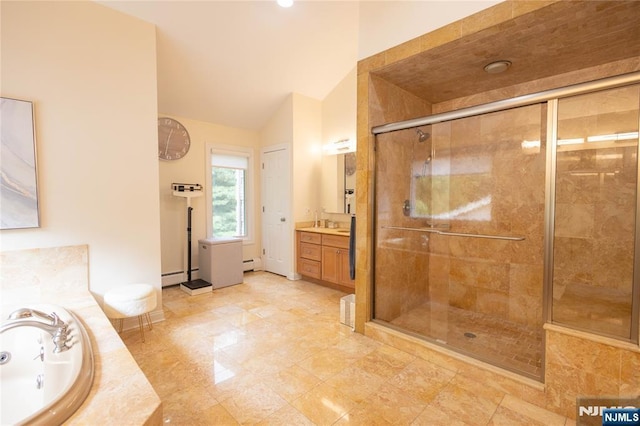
[229, 192]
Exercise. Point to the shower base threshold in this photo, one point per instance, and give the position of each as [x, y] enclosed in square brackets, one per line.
[499, 342]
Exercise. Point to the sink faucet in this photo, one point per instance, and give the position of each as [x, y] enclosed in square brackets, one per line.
[50, 323]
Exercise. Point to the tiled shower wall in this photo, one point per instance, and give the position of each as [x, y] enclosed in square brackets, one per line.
[403, 261]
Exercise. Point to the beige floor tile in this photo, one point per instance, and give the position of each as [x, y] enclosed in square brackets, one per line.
[466, 403]
[187, 401]
[422, 379]
[286, 416]
[247, 349]
[290, 383]
[389, 405]
[227, 338]
[362, 416]
[513, 410]
[217, 415]
[385, 361]
[254, 404]
[327, 363]
[300, 348]
[214, 371]
[433, 416]
[357, 344]
[236, 384]
[272, 351]
[356, 383]
[323, 404]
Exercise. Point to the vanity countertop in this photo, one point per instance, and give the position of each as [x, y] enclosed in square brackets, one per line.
[331, 231]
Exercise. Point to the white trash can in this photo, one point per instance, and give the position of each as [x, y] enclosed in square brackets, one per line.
[348, 310]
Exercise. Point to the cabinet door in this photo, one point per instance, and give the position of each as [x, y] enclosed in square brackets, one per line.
[330, 264]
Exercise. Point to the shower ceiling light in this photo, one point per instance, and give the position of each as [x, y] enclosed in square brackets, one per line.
[285, 3]
[497, 67]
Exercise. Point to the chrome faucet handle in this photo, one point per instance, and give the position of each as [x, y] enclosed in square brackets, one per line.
[33, 313]
[60, 339]
[57, 328]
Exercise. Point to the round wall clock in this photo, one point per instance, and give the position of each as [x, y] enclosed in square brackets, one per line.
[173, 139]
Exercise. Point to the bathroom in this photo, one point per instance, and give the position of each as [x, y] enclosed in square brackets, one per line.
[92, 206]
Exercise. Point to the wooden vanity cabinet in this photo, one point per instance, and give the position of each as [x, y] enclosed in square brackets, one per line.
[335, 260]
[325, 259]
[309, 254]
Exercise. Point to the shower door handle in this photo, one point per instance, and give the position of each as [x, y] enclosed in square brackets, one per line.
[456, 234]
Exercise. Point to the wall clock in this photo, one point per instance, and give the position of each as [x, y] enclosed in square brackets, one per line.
[173, 139]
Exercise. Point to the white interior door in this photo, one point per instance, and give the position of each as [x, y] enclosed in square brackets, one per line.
[277, 233]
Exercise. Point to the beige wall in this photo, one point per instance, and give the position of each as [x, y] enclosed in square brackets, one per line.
[339, 122]
[307, 136]
[193, 169]
[339, 110]
[297, 123]
[91, 74]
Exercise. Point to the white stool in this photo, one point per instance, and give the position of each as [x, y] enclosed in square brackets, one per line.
[129, 301]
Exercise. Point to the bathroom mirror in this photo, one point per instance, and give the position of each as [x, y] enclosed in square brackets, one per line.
[338, 183]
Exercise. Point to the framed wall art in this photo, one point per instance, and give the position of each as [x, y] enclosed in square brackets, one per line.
[18, 173]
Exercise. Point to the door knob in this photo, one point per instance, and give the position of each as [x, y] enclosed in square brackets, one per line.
[282, 219]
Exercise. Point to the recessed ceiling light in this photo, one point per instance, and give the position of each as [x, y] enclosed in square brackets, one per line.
[497, 67]
[285, 3]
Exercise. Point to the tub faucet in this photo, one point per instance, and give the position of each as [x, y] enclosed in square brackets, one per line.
[50, 323]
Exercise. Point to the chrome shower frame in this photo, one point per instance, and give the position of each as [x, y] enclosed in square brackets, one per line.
[550, 97]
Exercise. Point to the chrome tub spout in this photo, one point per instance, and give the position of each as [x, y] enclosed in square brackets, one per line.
[53, 325]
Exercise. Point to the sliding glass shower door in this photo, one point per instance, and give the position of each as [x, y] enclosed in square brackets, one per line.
[459, 228]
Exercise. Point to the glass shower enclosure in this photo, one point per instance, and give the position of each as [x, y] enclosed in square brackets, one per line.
[489, 225]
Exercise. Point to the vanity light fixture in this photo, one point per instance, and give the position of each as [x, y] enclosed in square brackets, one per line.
[497, 67]
[285, 3]
[339, 147]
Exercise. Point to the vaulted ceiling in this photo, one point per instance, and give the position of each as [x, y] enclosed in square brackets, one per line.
[234, 62]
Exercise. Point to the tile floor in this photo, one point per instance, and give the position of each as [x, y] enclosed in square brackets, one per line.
[272, 351]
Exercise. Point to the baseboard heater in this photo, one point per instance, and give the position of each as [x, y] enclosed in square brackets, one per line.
[177, 277]
[254, 264]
